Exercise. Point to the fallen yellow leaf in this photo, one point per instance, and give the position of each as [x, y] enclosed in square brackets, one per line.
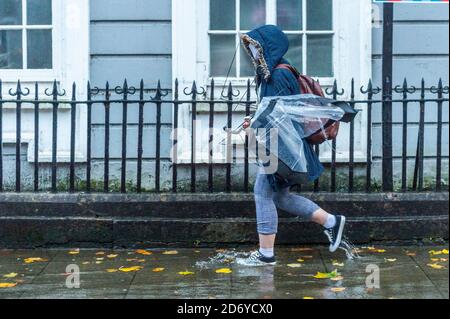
[34, 260]
[308, 298]
[391, 260]
[7, 284]
[11, 275]
[158, 269]
[411, 254]
[100, 253]
[86, 262]
[185, 273]
[337, 263]
[170, 252]
[337, 278]
[112, 256]
[99, 262]
[74, 252]
[112, 270]
[143, 252]
[129, 269]
[294, 265]
[321, 275]
[380, 250]
[337, 289]
[100, 258]
[439, 252]
[224, 271]
[436, 266]
[301, 249]
[300, 260]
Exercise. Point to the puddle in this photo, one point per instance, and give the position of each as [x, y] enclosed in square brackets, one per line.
[226, 257]
[350, 250]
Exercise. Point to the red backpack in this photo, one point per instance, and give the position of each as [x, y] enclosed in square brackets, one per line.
[308, 85]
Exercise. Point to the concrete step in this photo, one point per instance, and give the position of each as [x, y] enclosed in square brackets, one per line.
[110, 220]
[30, 232]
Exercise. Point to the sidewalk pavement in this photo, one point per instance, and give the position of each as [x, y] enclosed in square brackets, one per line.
[301, 273]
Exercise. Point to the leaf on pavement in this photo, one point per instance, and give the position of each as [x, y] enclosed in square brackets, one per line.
[112, 270]
[8, 284]
[112, 256]
[294, 265]
[170, 252]
[435, 266]
[438, 252]
[337, 289]
[301, 249]
[74, 252]
[185, 273]
[11, 275]
[337, 263]
[143, 252]
[308, 298]
[34, 260]
[391, 260]
[329, 275]
[224, 271]
[130, 269]
[100, 253]
[337, 278]
[160, 269]
[301, 260]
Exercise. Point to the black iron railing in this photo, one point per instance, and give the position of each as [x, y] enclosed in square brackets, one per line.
[403, 95]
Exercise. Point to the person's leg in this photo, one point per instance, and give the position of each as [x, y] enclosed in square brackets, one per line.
[266, 215]
[302, 207]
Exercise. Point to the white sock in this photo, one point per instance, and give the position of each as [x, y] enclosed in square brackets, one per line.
[266, 252]
[331, 222]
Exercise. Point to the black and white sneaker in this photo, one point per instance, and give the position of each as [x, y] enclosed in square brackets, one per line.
[256, 259]
[335, 234]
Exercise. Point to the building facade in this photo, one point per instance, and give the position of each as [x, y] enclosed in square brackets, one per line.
[197, 40]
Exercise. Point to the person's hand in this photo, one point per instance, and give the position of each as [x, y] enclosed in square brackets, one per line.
[247, 123]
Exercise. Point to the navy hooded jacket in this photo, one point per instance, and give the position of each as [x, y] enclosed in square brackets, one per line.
[272, 45]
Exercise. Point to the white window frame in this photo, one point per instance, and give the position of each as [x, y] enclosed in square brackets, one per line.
[70, 63]
[352, 50]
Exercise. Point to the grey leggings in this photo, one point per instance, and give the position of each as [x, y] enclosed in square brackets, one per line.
[267, 201]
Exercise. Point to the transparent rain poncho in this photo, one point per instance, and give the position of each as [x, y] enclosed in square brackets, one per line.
[292, 119]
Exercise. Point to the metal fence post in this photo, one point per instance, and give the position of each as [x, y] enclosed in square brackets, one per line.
[388, 34]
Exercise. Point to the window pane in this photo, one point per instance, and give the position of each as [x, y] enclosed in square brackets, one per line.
[10, 12]
[289, 14]
[295, 53]
[39, 49]
[11, 50]
[222, 14]
[320, 56]
[247, 67]
[253, 14]
[320, 15]
[222, 48]
[39, 12]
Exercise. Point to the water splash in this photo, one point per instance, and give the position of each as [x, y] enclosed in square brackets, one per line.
[350, 250]
[225, 257]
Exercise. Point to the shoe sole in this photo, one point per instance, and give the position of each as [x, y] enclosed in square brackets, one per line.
[339, 236]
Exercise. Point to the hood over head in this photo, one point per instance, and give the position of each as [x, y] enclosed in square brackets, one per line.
[272, 45]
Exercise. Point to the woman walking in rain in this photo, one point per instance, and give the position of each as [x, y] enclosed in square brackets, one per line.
[267, 46]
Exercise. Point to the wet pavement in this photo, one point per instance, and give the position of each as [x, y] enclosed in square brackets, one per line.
[301, 273]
